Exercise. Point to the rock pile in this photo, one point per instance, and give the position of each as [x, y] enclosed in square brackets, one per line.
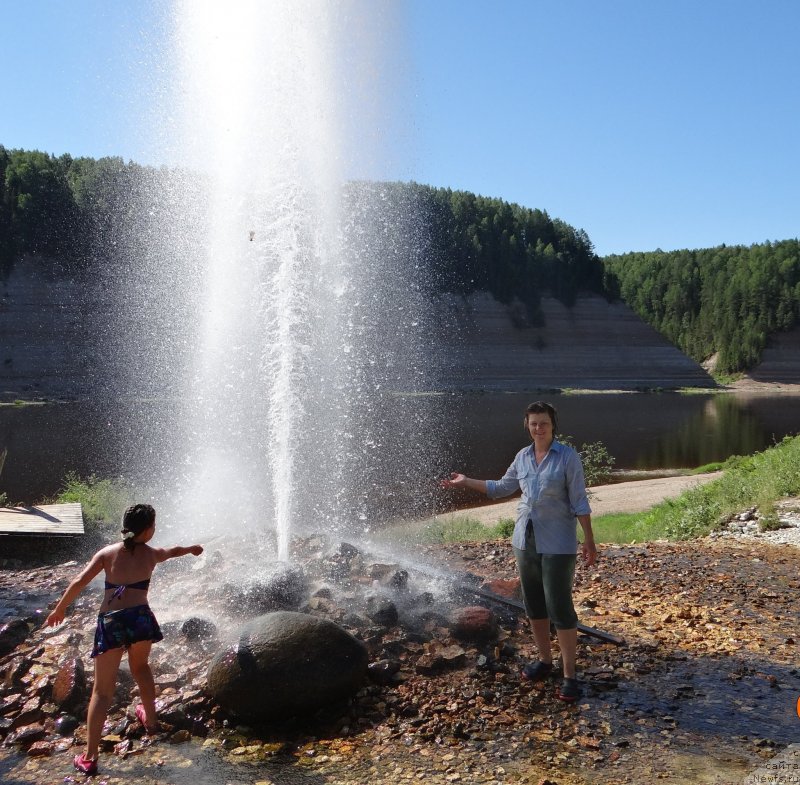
[711, 660]
[333, 592]
[781, 527]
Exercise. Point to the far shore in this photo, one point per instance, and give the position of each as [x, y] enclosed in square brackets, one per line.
[745, 385]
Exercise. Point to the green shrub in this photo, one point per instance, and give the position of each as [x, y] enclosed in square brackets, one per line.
[103, 501]
[706, 468]
[597, 461]
[769, 521]
[504, 528]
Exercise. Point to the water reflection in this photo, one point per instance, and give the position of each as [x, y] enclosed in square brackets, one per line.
[483, 432]
[722, 428]
[642, 431]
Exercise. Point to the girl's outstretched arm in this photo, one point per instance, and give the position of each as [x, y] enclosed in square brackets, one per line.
[90, 571]
[162, 554]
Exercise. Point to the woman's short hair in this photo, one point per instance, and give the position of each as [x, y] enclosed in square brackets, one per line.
[540, 407]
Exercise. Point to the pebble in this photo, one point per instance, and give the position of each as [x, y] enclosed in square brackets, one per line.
[746, 526]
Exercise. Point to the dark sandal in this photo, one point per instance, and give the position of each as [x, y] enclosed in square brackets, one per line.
[537, 671]
[569, 691]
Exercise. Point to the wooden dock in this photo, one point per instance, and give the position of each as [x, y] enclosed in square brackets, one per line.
[44, 520]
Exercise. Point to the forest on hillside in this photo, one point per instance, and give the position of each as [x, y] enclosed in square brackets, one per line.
[726, 300]
[70, 208]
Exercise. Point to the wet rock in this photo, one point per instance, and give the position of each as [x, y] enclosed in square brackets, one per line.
[382, 611]
[285, 589]
[344, 562]
[41, 749]
[175, 716]
[12, 633]
[511, 589]
[321, 604]
[15, 670]
[286, 664]
[66, 725]
[438, 658]
[398, 581]
[69, 687]
[382, 671]
[474, 623]
[378, 571]
[11, 703]
[196, 628]
[26, 735]
[30, 713]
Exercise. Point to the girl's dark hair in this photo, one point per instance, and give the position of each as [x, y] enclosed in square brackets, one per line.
[540, 407]
[135, 520]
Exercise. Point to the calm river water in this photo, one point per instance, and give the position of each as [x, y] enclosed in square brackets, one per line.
[480, 433]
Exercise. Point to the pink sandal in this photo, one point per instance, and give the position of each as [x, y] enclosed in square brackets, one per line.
[85, 765]
[142, 717]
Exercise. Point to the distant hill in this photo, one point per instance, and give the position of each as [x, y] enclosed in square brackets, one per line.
[66, 215]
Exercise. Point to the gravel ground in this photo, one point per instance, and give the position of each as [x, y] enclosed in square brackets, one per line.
[703, 691]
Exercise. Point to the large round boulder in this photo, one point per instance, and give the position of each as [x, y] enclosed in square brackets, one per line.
[285, 664]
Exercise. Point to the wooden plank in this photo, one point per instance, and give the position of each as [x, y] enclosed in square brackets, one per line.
[58, 520]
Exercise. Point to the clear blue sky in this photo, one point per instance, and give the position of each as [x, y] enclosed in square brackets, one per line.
[648, 124]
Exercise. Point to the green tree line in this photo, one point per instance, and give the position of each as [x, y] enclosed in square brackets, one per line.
[724, 300]
[64, 209]
[479, 243]
[69, 207]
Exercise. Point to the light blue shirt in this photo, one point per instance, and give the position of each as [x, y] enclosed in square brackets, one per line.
[553, 494]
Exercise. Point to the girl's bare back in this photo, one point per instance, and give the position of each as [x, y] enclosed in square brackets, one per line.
[124, 567]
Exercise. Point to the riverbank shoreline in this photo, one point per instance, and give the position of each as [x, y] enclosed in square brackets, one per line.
[622, 497]
[743, 385]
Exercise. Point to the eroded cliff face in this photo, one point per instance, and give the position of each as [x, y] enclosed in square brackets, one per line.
[780, 362]
[47, 346]
[594, 345]
[53, 342]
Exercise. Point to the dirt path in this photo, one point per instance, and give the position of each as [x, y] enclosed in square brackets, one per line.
[634, 496]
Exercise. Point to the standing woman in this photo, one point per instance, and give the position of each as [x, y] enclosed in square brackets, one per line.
[545, 542]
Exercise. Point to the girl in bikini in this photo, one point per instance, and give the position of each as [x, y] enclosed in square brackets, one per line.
[125, 623]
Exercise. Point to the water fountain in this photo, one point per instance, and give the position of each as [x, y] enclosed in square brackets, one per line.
[285, 311]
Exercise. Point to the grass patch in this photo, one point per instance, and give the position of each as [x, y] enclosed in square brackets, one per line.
[102, 501]
[759, 480]
[456, 529]
[464, 529]
[725, 379]
[620, 527]
[706, 468]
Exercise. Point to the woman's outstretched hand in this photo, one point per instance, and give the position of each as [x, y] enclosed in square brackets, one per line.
[454, 481]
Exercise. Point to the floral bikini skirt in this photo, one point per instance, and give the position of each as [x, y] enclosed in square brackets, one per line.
[119, 629]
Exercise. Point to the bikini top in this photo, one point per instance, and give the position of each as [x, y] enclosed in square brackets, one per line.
[119, 588]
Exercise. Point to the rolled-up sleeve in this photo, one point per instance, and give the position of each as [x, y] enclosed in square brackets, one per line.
[576, 484]
[508, 484]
